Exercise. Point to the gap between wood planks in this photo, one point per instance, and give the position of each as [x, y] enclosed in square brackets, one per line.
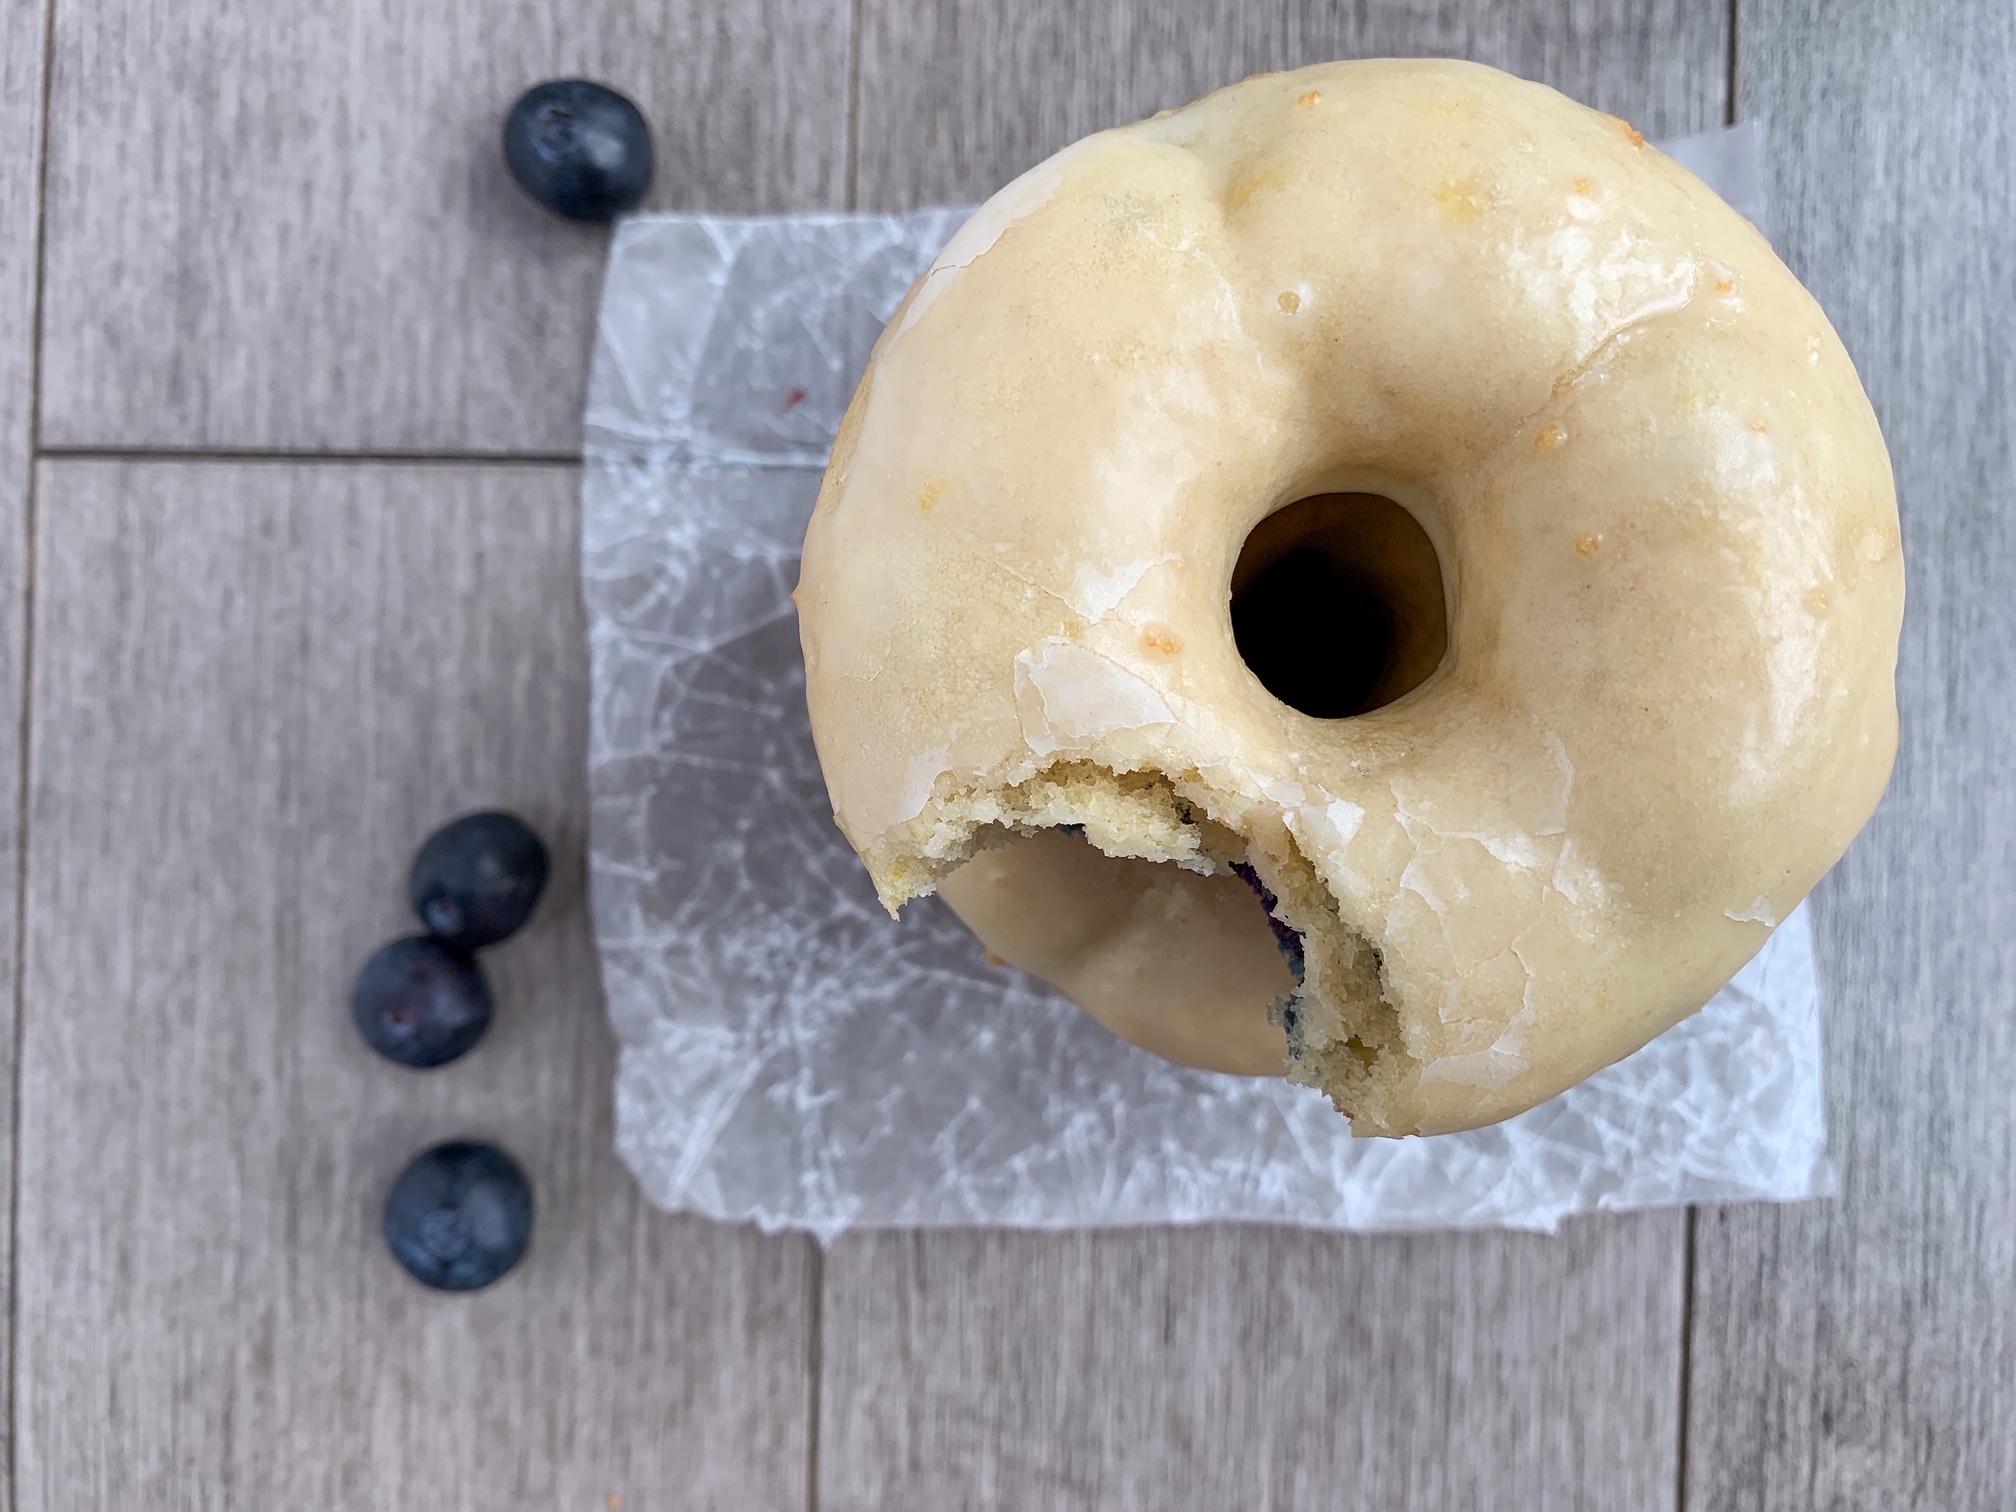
[23, 715]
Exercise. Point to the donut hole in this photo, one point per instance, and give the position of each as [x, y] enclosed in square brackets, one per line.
[1337, 604]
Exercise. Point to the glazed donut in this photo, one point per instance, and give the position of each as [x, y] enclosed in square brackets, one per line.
[1387, 510]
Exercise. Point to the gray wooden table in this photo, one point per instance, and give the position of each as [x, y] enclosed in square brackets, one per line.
[289, 388]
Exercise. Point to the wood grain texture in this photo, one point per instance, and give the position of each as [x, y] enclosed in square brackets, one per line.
[1861, 1354]
[289, 226]
[959, 96]
[1261, 1369]
[258, 686]
[21, 59]
[1244, 1367]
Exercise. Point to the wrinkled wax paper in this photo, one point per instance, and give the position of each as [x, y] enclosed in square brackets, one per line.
[790, 1055]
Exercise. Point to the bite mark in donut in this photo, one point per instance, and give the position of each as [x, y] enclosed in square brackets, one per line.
[1089, 834]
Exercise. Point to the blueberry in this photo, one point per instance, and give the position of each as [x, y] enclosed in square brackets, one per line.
[580, 149]
[421, 1002]
[478, 879]
[459, 1216]
[1286, 940]
[1286, 1017]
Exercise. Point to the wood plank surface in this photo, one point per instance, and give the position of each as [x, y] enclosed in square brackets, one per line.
[288, 225]
[21, 58]
[1259, 1369]
[957, 97]
[1861, 1354]
[1249, 1368]
[258, 686]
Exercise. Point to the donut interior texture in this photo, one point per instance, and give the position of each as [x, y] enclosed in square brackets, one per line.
[1378, 574]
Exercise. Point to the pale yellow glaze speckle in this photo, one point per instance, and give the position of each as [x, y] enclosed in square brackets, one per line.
[1663, 509]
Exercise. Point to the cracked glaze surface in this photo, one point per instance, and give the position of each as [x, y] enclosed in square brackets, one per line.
[1662, 505]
